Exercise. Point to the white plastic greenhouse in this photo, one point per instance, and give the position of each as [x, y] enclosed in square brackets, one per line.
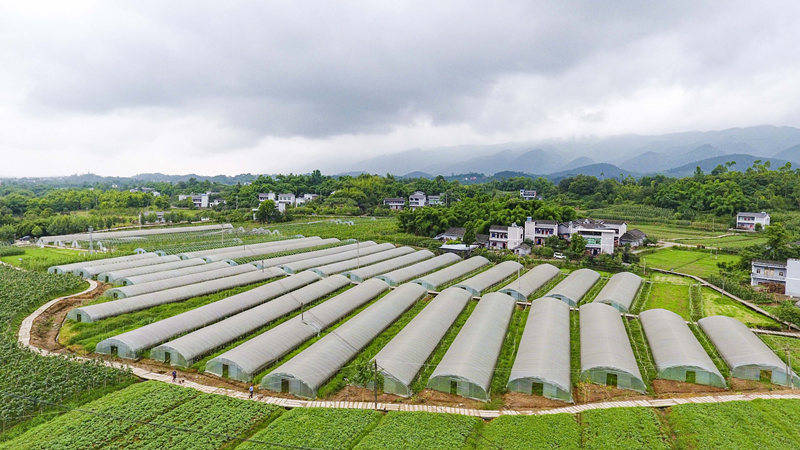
[404, 274]
[402, 358]
[163, 275]
[92, 313]
[132, 343]
[258, 252]
[94, 270]
[468, 365]
[306, 372]
[280, 260]
[606, 354]
[116, 275]
[488, 278]
[244, 361]
[304, 264]
[103, 235]
[238, 248]
[363, 273]
[530, 281]
[542, 364]
[577, 284]
[186, 349]
[677, 353]
[620, 291]
[341, 266]
[226, 270]
[747, 356]
[76, 267]
[433, 280]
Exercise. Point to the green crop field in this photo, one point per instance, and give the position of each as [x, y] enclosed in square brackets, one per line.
[40, 259]
[714, 303]
[699, 263]
[762, 424]
[622, 428]
[732, 242]
[674, 297]
[421, 430]
[316, 428]
[524, 432]
[780, 344]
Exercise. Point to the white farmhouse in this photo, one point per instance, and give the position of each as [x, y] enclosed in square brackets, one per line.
[417, 199]
[505, 237]
[538, 231]
[527, 194]
[749, 220]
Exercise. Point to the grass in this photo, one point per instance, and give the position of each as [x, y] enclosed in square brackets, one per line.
[641, 349]
[84, 336]
[316, 428]
[641, 297]
[592, 293]
[779, 345]
[734, 242]
[525, 432]
[575, 347]
[674, 297]
[421, 381]
[39, 259]
[714, 303]
[339, 381]
[421, 430]
[622, 428]
[752, 424]
[699, 263]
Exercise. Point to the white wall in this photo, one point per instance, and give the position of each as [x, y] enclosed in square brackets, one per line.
[793, 277]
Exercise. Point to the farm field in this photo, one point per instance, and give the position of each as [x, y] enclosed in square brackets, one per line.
[779, 344]
[40, 259]
[160, 415]
[714, 303]
[674, 297]
[699, 263]
[733, 242]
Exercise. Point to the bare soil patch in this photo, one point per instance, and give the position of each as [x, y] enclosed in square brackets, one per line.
[436, 398]
[671, 388]
[590, 392]
[520, 401]
[44, 332]
[360, 394]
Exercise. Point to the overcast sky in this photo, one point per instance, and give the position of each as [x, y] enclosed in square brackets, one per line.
[118, 88]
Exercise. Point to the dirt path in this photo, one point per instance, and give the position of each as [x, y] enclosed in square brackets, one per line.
[46, 326]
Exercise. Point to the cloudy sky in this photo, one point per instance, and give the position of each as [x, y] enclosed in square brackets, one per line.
[119, 88]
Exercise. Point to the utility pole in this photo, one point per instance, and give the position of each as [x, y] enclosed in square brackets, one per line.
[789, 367]
[375, 381]
[91, 241]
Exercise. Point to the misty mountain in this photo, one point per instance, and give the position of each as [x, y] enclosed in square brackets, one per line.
[707, 165]
[636, 153]
[791, 154]
[599, 170]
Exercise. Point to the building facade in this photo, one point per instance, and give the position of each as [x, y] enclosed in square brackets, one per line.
[417, 200]
[749, 220]
[767, 272]
[505, 237]
[395, 204]
[527, 194]
[537, 231]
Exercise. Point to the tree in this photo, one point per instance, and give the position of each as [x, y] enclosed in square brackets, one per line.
[577, 246]
[777, 239]
[268, 212]
[469, 235]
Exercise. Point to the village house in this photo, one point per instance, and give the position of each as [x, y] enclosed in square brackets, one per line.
[749, 220]
[395, 204]
[451, 234]
[527, 194]
[434, 200]
[537, 231]
[198, 200]
[767, 272]
[503, 237]
[417, 200]
[633, 237]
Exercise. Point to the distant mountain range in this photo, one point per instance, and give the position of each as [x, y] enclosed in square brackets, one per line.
[675, 154]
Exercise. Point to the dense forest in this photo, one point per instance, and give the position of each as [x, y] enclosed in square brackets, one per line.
[31, 208]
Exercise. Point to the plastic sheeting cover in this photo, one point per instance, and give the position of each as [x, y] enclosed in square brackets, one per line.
[450, 273]
[64, 268]
[744, 352]
[99, 235]
[490, 277]
[605, 348]
[543, 354]
[237, 248]
[472, 370]
[261, 251]
[674, 346]
[324, 358]
[370, 271]
[304, 264]
[572, 288]
[223, 271]
[129, 344]
[187, 348]
[402, 358]
[404, 274]
[620, 290]
[248, 358]
[116, 275]
[341, 266]
[530, 281]
[126, 305]
[94, 270]
[280, 260]
[165, 274]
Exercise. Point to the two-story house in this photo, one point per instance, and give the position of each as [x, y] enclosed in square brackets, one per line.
[749, 220]
[538, 231]
[437, 199]
[198, 200]
[264, 196]
[305, 199]
[417, 200]
[395, 203]
[527, 194]
[505, 237]
[767, 272]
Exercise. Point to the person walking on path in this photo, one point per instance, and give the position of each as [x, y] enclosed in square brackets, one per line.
[174, 376]
[251, 391]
